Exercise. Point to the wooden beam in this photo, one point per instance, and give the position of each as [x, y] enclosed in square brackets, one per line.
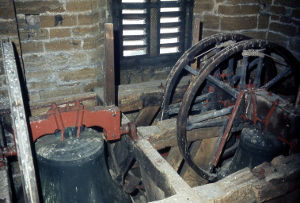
[109, 68]
[133, 97]
[202, 152]
[146, 115]
[197, 32]
[163, 134]
[174, 158]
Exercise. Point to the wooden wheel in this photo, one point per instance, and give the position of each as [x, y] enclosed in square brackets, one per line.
[233, 81]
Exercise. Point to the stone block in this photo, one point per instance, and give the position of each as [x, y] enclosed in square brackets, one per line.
[278, 38]
[39, 34]
[234, 2]
[59, 33]
[87, 73]
[102, 3]
[263, 21]
[8, 28]
[255, 34]
[3, 93]
[238, 23]
[102, 14]
[289, 3]
[37, 76]
[60, 92]
[89, 43]
[296, 13]
[30, 21]
[77, 59]
[34, 96]
[207, 33]
[238, 9]
[285, 29]
[294, 44]
[60, 45]
[37, 7]
[82, 31]
[202, 6]
[40, 85]
[58, 60]
[58, 20]
[211, 22]
[84, 5]
[35, 61]
[7, 10]
[96, 55]
[32, 47]
[88, 19]
[275, 18]
[278, 10]
[285, 19]
[90, 86]
[3, 80]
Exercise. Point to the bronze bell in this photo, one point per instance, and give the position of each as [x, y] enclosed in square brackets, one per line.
[75, 170]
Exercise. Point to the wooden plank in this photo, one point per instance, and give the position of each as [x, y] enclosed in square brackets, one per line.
[146, 115]
[202, 153]
[163, 134]
[19, 123]
[109, 68]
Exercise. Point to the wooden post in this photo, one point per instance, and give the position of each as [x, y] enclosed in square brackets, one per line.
[197, 32]
[19, 122]
[109, 68]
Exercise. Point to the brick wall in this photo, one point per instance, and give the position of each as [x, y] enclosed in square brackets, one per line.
[62, 44]
[274, 20]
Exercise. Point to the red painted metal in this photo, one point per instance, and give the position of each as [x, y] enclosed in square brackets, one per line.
[271, 112]
[228, 127]
[253, 101]
[108, 118]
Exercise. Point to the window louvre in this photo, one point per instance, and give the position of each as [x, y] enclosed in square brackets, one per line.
[152, 28]
[134, 22]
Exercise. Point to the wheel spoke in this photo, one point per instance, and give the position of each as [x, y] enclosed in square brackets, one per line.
[244, 72]
[194, 121]
[257, 80]
[191, 70]
[230, 69]
[227, 88]
[174, 108]
[206, 124]
[253, 63]
[277, 78]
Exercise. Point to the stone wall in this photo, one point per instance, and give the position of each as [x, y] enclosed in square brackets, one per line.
[274, 20]
[62, 44]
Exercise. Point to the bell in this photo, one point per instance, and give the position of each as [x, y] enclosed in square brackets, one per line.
[75, 170]
[255, 147]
